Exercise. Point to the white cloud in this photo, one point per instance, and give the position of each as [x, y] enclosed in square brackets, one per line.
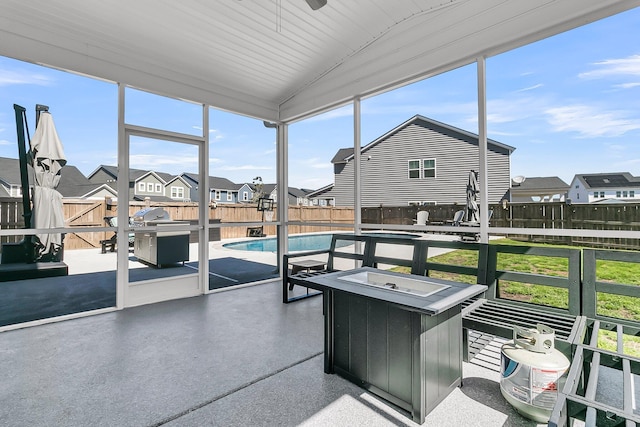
[629, 66]
[530, 88]
[18, 77]
[244, 168]
[513, 109]
[627, 85]
[163, 163]
[345, 111]
[590, 122]
[5, 142]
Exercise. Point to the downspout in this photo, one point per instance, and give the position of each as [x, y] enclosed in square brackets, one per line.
[482, 151]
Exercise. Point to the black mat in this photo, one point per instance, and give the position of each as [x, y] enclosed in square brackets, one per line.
[229, 271]
[29, 300]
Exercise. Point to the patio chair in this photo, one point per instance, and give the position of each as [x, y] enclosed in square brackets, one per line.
[422, 217]
[112, 221]
[457, 218]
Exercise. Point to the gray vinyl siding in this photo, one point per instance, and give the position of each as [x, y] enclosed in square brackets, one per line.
[150, 179]
[177, 184]
[192, 192]
[101, 177]
[384, 168]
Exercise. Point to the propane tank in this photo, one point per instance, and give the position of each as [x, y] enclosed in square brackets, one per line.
[531, 368]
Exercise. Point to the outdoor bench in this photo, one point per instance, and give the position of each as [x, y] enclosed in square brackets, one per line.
[374, 251]
[329, 257]
[497, 316]
[492, 315]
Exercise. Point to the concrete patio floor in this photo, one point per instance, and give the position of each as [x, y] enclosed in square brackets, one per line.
[233, 358]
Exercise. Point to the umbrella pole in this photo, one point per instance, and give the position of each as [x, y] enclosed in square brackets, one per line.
[21, 118]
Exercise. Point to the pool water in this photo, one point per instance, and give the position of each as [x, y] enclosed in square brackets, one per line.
[308, 242]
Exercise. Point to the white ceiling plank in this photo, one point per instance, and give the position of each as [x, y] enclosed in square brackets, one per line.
[255, 58]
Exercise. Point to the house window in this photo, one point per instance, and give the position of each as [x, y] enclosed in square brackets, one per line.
[625, 194]
[245, 196]
[429, 168]
[414, 203]
[414, 169]
[618, 194]
[229, 196]
[141, 186]
[595, 194]
[602, 194]
[218, 195]
[632, 193]
[429, 203]
[15, 191]
[150, 187]
[158, 188]
[177, 193]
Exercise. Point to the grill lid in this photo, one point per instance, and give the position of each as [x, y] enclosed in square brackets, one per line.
[151, 214]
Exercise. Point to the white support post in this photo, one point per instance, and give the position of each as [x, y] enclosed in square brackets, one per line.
[357, 192]
[203, 205]
[283, 186]
[482, 151]
[122, 259]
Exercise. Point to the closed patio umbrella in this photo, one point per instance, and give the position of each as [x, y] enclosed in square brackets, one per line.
[47, 158]
[472, 213]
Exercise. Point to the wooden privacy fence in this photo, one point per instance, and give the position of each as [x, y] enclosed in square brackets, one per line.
[91, 213]
[561, 216]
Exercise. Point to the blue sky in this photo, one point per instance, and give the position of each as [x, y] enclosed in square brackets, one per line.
[568, 104]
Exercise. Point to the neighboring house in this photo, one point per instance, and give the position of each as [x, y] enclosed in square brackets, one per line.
[604, 188]
[73, 184]
[221, 190]
[318, 197]
[296, 196]
[143, 184]
[421, 161]
[178, 189]
[245, 193]
[538, 189]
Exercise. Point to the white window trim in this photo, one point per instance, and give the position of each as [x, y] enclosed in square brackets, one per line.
[158, 188]
[217, 194]
[422, 168]
[229, 196]
[177, 192]
[149, 187]
[141, 186]
[245, 196]
[409, 169]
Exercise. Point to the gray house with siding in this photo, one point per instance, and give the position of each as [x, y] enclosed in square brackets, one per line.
[73, 184]
[157, 186]
[421, 161]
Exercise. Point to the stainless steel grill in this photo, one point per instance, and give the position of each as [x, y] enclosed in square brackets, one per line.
[163, 246]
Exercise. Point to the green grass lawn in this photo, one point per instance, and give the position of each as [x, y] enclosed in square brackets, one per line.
[615, 306]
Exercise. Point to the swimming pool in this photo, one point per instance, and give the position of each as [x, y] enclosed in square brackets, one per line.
[304, 242]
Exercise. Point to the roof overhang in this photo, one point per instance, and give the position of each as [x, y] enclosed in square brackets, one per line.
[278, 61]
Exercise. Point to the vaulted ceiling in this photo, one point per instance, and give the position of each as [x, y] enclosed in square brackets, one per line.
[278, 59]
